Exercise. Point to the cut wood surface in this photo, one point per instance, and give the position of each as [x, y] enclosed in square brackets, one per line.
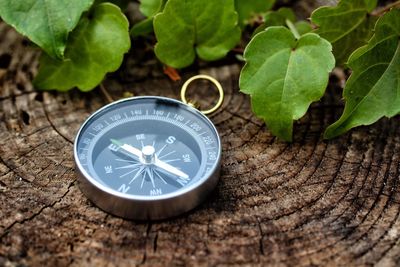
[309, 203]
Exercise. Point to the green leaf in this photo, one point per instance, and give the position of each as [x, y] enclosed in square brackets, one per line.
[347, 26]
[94, 48]
[284, 76]
[142, 28]
[303, 27]
[46, 23]
[123, 4]
[186, 28]
[247, 9]
[373, 89]
[150, 8]
[279, 18]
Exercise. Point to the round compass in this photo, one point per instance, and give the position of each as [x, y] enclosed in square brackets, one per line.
[147, 157]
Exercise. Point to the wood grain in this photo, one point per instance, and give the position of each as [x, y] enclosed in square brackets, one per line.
[309, 203]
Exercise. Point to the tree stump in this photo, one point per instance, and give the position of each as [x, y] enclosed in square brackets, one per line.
[309, 203]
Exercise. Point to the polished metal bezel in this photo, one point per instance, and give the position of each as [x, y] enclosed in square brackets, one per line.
[146, 207]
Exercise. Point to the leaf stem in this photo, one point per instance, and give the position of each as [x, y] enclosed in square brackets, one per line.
[383, 10]
[293, 29]
[106, 94]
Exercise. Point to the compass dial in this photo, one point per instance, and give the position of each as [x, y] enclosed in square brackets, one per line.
[147, 148]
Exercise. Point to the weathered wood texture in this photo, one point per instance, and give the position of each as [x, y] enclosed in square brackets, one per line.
[313, 202]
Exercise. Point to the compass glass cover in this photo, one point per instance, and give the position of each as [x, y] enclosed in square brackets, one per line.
[147, 147]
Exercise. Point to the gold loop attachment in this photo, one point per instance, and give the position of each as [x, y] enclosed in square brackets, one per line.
[193, 104]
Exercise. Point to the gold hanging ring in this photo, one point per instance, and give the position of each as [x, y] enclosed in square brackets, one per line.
[213, 81]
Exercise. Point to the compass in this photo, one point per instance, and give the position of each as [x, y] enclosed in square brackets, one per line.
[147, 157]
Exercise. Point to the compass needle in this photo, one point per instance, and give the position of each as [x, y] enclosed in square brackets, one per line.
[169, 168]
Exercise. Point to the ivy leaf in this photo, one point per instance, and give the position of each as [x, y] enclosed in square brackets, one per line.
[94, 48]
[347, 26]
[123, 4]
[46, 23]
[186, 28]
[303, 27]
[284, 76]
[249, 8]
[373, 89]
[149, 8]
[279, 18]
[142, 28]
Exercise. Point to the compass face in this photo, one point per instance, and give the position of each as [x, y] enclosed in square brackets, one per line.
[147, 148]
